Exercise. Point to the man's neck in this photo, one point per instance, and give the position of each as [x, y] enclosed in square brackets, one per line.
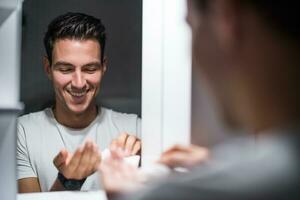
[73, 120]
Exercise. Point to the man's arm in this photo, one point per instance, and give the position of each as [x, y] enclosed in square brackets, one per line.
[27, 180]
[29, 185]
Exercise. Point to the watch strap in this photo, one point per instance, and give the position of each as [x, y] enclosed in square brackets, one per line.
[70, 184]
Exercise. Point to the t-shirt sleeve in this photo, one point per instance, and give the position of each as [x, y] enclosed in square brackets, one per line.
[24, 167]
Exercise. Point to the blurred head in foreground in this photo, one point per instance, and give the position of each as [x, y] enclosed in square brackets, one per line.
[247, 52]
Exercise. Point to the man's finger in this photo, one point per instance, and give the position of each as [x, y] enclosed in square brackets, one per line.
[74, 162]
[85, 159]
[113, 144]
[137, 147]
[121, 140]
[177, 147]
[94, 160]
[60, 158]
[174, 160]
[130, 142]
[117, 154]
[95, 164]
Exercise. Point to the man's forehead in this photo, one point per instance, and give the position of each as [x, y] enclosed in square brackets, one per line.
[72, 50]
[74, 41]
[72, 45]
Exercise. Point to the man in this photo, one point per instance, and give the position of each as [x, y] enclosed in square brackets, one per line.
[247, 52]
[58, 148]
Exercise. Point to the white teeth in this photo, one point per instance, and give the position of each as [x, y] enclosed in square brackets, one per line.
[77, 94]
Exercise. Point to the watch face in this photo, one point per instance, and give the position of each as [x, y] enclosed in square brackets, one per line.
[72, 185]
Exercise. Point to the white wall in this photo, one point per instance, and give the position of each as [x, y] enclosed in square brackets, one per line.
[166, 77]
[6, 8]
[10, 28]
[10, 32]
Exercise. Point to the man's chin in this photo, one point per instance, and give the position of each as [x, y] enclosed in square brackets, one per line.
[78, 110]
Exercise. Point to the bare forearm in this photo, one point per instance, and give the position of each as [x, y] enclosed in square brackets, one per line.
[27, 185]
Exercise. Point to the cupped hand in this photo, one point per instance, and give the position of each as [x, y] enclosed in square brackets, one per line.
[81, 164]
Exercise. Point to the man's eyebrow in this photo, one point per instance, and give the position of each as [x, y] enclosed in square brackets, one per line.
[62, 63]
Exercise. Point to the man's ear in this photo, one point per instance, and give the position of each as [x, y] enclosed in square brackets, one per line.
[104, 64]
[47, 67]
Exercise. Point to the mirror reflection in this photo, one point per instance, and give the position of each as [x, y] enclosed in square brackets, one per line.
[81, 86]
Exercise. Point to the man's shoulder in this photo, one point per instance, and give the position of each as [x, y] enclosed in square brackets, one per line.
[119, 116]
[123, 122]
[35, 117]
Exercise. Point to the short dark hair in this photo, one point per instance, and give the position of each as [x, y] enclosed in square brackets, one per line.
[77, 26]
[280, 15]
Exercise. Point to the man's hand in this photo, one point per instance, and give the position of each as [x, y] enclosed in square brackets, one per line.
[118, 176]
[84, 162]
[130, 144]
[184, 156]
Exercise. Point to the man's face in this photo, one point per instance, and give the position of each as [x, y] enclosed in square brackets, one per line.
[209, 56]
[76, 73]
[205, 48]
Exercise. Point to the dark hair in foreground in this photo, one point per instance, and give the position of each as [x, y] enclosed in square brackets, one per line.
[77, 26]
[280, 15]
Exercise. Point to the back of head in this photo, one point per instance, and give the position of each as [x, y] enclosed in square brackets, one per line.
[280, 15]
[248, 50]
[77, 26]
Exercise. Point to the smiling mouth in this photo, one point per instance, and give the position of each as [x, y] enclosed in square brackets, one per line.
[78, 94]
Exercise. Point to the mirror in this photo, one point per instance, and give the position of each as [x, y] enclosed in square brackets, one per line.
[121, 87]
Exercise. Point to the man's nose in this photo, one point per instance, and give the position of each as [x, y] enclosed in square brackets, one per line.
[78, 80]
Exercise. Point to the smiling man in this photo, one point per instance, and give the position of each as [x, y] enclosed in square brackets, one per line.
[58, 148]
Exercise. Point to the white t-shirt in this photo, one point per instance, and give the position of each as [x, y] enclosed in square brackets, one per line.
[41, 137]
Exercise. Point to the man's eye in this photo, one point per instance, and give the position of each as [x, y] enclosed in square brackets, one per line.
[91, 69]
[65, 70]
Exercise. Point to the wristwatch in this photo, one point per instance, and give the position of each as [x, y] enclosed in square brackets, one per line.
[70, 184]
